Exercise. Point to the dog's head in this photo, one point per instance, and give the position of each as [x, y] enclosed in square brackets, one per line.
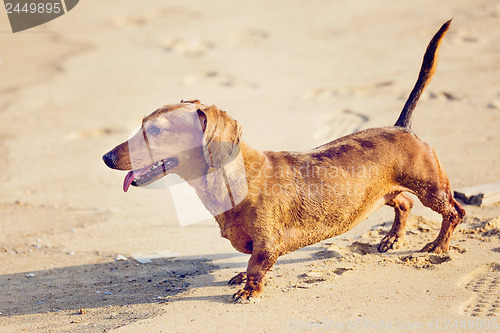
[188, 138]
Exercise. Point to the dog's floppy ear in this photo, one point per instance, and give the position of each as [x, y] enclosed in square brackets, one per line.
[221, 136]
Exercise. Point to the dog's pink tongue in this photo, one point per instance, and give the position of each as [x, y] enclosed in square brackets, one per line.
[129, 178]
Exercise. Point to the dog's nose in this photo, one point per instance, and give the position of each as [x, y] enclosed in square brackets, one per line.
[110, 159]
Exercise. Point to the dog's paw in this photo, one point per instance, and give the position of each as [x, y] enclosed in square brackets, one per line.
[390, 241]
[245, 296]
[238, 278]
[435, 247]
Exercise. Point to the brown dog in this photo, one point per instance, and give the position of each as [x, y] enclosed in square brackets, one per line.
[271, 203]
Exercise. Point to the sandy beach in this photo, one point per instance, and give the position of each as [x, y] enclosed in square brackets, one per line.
[295, 74]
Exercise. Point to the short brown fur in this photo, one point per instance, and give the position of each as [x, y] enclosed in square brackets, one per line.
[297, 199]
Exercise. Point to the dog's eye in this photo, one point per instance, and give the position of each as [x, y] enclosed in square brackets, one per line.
[154, 130]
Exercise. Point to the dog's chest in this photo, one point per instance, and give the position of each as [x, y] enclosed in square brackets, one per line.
[239, 239]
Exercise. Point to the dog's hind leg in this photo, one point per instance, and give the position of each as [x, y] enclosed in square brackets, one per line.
[402, 205]
[452, 213]
[430, 184]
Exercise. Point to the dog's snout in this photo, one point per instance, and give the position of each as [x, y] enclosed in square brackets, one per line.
[110, 159]
[118, 158]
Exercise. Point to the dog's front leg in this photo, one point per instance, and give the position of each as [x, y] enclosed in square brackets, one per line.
[259, 264]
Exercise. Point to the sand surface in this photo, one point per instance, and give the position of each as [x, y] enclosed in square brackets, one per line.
[295, 74]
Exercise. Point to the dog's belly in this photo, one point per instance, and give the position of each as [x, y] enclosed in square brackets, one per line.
[336, 218]
[314, 229]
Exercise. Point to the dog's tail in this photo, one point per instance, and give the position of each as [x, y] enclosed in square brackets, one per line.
[424, 77]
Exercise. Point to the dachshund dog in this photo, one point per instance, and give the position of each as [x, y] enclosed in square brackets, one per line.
[272, 203]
